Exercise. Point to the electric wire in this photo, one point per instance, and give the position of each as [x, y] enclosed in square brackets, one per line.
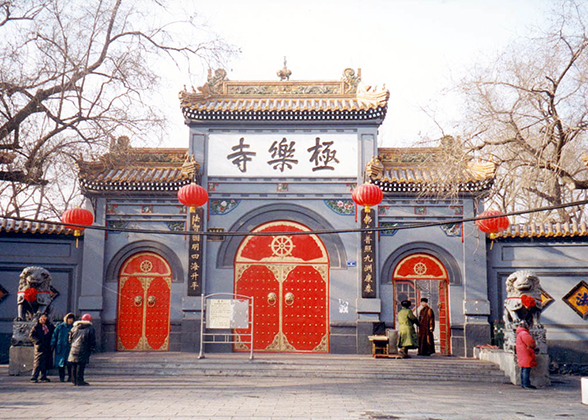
[412, 225]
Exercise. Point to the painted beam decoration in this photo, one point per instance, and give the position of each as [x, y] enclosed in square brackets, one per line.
[195, 254]
[283, 155]
[368, 255]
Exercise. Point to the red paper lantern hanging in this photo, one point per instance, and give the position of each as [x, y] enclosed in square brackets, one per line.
[494, 225]
[192, 196]
[367, 195]
[77, 216]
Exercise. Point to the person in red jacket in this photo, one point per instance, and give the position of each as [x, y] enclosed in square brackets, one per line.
[525, 354]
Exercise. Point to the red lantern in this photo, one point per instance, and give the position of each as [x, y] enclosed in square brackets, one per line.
[493, 225]
[192, 196]
[367, 195]
[78, 216]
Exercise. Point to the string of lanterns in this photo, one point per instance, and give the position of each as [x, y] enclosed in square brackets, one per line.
[366, 195]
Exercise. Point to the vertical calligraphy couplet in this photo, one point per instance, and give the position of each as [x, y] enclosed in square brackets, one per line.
[368, 255]
[195, 253]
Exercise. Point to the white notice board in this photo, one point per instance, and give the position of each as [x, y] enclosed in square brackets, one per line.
[227, 313]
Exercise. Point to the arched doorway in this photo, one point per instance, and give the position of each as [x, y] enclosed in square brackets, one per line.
[288, 276]
[422, 275]
[144, 291]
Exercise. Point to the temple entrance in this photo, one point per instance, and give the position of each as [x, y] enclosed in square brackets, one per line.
[144, 290]
[288, 276]
[424, 276]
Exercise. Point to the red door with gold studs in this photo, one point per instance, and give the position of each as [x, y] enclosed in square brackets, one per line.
[288, 276]
[144, 303]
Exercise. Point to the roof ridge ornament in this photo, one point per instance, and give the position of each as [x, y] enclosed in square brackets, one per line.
[350, 80]
[215, 82]
[284, 74]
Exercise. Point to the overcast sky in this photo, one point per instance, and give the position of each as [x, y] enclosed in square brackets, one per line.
[417, 48]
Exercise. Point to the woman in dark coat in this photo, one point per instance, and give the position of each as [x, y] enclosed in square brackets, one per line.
[60, 342]
[40, 335]
[83, 340]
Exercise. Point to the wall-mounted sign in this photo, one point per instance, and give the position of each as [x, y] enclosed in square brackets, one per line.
[368, 255]
[283, 155]
[195, 253]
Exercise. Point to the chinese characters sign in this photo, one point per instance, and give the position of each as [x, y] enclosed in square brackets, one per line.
[368, 256]
[283, 155]
[577, 299]
[195, 254]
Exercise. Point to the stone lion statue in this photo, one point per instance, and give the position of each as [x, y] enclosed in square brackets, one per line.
[523, 303]
[523, 298]
[34, 293]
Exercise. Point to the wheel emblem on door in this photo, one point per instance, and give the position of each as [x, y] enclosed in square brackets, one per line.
[282, 246]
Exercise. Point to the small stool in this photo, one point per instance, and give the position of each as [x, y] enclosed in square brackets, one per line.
[379, 345]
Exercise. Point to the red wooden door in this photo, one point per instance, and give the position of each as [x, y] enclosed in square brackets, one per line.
[444, 333]
[144, 303]
[288, 275]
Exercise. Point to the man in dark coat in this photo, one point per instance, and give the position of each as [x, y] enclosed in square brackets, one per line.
[426, 328]
[40, 335]
[83, 340]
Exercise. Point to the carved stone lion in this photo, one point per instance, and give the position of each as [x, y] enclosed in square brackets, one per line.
[34, 292]
[523, 302]
[523, 298]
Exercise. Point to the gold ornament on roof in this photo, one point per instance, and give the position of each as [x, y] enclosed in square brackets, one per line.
[374, 168]
[284, 74]
[350, 80]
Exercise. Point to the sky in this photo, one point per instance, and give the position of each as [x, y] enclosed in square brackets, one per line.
[418, 49]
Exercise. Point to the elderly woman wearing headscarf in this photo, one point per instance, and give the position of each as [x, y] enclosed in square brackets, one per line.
[60, 342]
[407, 334]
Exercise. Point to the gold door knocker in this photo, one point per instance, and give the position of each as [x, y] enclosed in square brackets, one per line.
[151, 301]
[138, 300]
[272, 298]
[289, 298]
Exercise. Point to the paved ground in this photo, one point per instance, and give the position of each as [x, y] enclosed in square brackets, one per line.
[223, 398]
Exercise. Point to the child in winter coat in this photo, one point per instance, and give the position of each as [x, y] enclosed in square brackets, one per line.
[525, 354]
[60, 342]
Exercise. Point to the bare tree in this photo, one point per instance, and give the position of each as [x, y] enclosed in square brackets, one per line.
[528, 113]
[73, 76]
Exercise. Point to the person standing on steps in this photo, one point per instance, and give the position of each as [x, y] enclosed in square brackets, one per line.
[407, 335]
[426, 328]
[525, 348]
[60, 342]
[40, 335]
[83, 341]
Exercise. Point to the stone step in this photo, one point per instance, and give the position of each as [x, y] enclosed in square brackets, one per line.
[437, 368]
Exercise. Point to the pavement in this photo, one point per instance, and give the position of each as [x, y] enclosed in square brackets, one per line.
[239, 398]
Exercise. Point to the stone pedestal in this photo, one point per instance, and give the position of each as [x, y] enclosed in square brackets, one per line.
[21, 360]
[508, 364]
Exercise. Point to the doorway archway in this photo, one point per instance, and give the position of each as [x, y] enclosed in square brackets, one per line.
[422, 275]
[144, 298]
[288, 276]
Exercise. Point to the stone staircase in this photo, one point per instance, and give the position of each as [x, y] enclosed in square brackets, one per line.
[435, 368]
